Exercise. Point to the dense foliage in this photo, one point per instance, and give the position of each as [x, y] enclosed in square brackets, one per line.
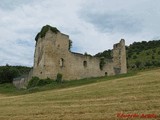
[141, 55]
[138, 47]
[44, 30]
[106, 54]
[7, 73]
[36, 81]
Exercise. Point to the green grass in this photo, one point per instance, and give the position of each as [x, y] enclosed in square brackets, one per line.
[98, 100]
[9, 89]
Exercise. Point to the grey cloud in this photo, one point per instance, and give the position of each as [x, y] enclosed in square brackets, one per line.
[24, 43]
[93, 25]
[114, 22]
[11, 4]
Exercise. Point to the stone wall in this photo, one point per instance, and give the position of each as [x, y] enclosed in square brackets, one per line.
[119, 57]
[52, 56]
[20, 82]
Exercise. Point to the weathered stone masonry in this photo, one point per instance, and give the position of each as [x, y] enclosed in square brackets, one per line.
[52, 56]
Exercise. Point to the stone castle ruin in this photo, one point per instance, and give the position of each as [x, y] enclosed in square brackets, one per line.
[53, 56]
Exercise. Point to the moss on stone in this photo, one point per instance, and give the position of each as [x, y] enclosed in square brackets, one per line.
[44, 30]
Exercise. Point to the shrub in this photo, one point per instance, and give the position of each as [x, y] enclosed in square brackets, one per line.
[148, 64]
[129, 55]
[138, 64]
[147, 53]
[33, 82]
[43, 82]
[153, 57]
[59, 78]
[134, 57]
[154, 51]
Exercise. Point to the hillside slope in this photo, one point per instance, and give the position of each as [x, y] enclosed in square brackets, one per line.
[143, 54]
[103, 100]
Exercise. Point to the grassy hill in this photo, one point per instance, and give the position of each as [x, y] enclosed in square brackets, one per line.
[141, 55]
[102, 100]
[144, 59]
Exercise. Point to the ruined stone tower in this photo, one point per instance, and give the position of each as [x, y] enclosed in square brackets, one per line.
[52, 56]
[119, 57]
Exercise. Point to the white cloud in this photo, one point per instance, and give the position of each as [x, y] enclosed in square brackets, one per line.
[93, 25]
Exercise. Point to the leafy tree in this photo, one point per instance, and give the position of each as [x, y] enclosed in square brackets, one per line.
[138, 64]
[106, 54]
[8, 73]
[153, 57]
[134, 57]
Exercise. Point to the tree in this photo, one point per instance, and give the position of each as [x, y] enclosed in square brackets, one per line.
[7, 73]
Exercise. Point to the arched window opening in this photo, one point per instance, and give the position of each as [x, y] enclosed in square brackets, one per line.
[106, 73]
[102, 63]
[61, 62]
[85, 63]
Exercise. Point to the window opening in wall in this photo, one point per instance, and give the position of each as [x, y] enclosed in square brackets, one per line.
[102, 63]
[61, 62]
[106, 73]
[85, 63]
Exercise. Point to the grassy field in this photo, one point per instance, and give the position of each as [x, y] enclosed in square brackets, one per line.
[138, 94]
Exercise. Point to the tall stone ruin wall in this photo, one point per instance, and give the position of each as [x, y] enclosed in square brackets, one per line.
[52, 56]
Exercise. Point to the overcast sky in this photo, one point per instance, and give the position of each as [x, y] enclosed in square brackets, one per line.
[93, 25]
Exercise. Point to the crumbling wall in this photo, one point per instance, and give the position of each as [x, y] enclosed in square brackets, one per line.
[20, 82]
[119, 57]
[52, 56]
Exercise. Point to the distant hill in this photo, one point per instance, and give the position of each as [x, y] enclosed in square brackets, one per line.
[140, 55]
